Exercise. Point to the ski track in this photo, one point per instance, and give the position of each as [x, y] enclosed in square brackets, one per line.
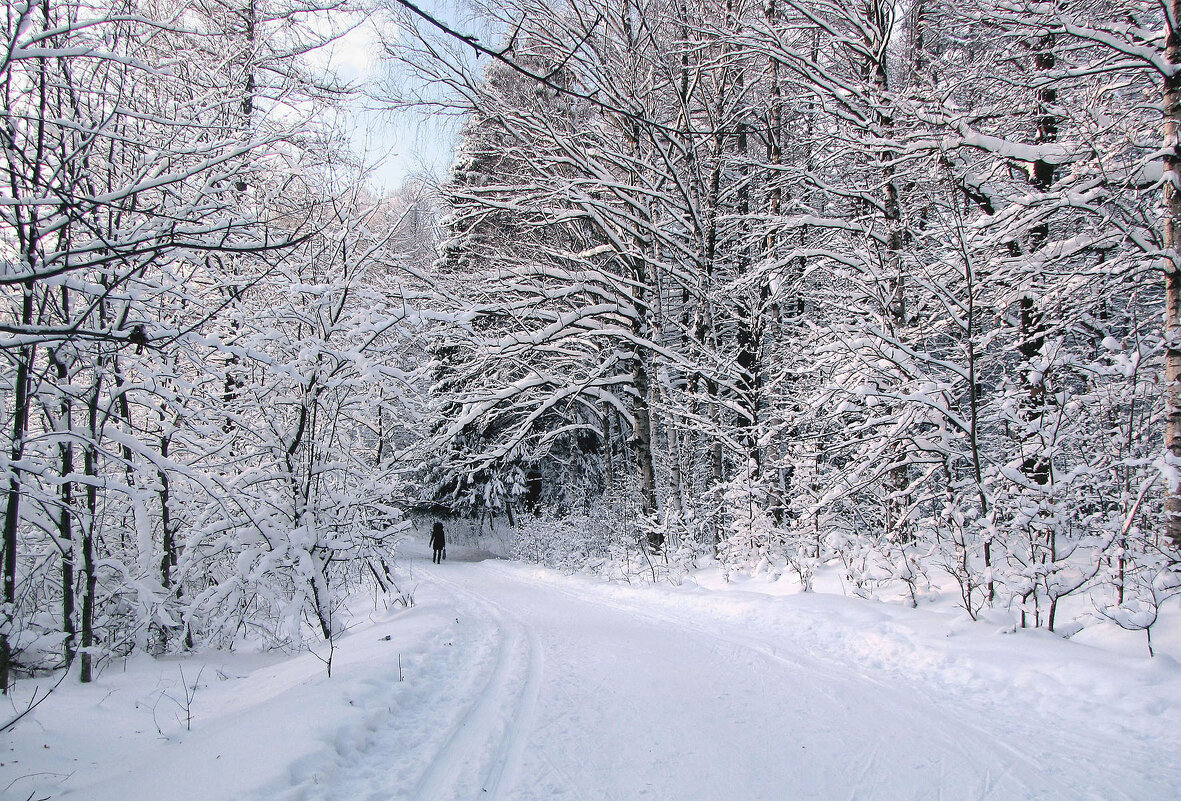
[862, 785]
[491, 734]
[403, 757]
[1057, 778]
[798, 663]
[509, 729]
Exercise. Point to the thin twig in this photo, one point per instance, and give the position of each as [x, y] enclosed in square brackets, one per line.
[34, 702]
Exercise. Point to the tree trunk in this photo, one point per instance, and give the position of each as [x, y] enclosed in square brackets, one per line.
[749, 312]
[897, 483]
[1170, 220]
[642, 446]
[65, 525]
[90, 464]
[1035, 465]
[605, 413]
[676, 487]
[168, 524]
[20, 425]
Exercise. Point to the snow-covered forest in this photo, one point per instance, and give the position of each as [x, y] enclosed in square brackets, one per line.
[883, 288]
[802, 283]
[206, 332]
[728, 318]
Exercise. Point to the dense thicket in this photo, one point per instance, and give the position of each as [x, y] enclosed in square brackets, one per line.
[204, 332]
[804, 282]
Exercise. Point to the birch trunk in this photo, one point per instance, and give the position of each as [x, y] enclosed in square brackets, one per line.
[1170, 220]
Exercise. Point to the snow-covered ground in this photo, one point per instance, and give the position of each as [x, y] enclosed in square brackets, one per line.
[513, 682]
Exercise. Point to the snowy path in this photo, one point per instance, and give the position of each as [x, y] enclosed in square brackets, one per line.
[570, 690]
[520, 684]
[484, 747]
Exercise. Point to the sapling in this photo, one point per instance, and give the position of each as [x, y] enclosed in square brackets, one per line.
[1146, 591]
[185, 704]
[190, 692]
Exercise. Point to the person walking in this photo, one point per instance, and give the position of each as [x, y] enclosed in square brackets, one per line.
[438, 543]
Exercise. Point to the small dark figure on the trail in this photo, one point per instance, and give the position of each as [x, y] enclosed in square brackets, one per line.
[438, 543]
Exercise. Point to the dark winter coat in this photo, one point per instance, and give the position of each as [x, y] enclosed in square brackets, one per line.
[438, 541]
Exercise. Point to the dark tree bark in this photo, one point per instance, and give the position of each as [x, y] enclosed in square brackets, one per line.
[20, 427]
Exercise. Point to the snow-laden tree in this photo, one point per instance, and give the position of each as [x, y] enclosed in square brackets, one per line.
[170, 185]
[308, 494]
[888, 270]
[552, 204]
